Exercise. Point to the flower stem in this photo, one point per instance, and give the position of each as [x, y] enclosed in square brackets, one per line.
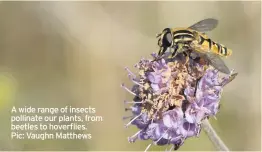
[212, 135]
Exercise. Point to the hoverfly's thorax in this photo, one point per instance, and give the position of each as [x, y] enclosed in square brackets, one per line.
[182, 35]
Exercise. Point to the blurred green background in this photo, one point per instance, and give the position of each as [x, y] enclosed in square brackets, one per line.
[74, 53]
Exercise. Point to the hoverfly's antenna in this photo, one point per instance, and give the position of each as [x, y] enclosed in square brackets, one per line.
[158, 35]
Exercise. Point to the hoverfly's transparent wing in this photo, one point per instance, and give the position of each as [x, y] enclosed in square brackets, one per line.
[205, 25]
[217, 63]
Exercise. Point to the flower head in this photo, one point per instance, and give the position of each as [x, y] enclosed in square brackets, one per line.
[172, 97]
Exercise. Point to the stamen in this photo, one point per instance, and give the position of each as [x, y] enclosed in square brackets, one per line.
[154, 116]
[198, 132]
[133, 120]
[134, 137]
[127, 117]
[133, 102]
[152, 120]
[176, 138]
[172, 147]
[130, 72]
[127, 109]
[147, 147]
[160, 137]
[134, 81]
[128, 90]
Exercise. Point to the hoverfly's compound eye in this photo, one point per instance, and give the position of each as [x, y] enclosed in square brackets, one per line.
[167, 39]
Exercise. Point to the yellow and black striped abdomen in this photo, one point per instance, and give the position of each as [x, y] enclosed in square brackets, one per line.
[214, 47]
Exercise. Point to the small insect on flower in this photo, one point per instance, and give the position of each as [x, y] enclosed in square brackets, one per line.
[171, 98]
[182, 39]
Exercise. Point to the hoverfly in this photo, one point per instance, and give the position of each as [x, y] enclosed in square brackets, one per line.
[182, 39]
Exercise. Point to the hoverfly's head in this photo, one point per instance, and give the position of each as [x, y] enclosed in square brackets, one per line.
[165, 38]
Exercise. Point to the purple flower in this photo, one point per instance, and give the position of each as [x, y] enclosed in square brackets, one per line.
[172, 97]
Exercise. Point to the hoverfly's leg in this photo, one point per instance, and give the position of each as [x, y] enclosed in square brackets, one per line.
[178, 48]
[160, 55]
[162, 51]
[175, 51]
[187, 54]
[187, 58]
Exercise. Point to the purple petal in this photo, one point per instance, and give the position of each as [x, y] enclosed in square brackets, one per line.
[173, 118]
[189, 91]
[189, 129]
[155, 87]
[153, 77]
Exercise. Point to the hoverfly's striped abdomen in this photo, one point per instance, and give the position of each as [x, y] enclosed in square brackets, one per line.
[224, 50]
[214, 47]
